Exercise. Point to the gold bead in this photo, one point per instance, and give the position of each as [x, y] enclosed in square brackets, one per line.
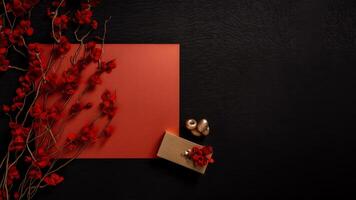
[186, 152]
[202, 125]
[191, 124]
[206, 131]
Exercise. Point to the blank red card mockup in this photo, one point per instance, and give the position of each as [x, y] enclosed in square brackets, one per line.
[146, 82]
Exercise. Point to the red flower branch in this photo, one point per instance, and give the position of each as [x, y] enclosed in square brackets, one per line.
[33, 144]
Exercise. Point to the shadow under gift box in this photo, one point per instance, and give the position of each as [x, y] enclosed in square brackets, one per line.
[146, 81]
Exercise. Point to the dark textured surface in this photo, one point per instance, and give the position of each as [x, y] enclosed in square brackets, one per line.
[274, 78]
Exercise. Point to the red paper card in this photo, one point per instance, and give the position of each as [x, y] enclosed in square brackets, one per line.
[146, 82]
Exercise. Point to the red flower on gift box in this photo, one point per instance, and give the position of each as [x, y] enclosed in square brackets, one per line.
[201, 156]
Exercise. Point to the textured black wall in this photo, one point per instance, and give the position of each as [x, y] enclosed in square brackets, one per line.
[274, 78]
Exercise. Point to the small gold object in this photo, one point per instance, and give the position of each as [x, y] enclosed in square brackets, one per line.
[206, 131]
[187, 152]
[191, 124]
[198, 128]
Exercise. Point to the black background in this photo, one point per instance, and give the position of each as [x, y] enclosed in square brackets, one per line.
[275, 79]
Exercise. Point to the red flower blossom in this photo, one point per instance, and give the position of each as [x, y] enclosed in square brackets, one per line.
[6, 108]
[61, 22]
[12, 175]
[20, 7]
[201, 156]
[108, 131]
[107, 105]
[95, 54]
[91, 45]
[18, 129]
[63, 47]
[107, 67]
[71, 137]
[94, 80]
[76, 108]
[72, 141]
[16, 195]
[51, 84]
[42, 158]
[70, 83]
[17, 144]
[94, 24]
[83, 16]
[88, 133]
[16, 106]
[53, 179]
[35, 173]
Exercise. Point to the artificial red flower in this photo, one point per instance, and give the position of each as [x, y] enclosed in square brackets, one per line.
[20, 93]
[88, 133]
[72, 141]
[6, 108]
[75, 108]
[20, 7]
[71, 137]
[95, 54]
[12, 175]
[28, 159]
[83, 16]
[18, 129]
[4, 63]
[53, 179]
[70, 83]
[4, 68]
[54, 112]
[51, 84]
[91, 45]
[25, 82]
[107, 105]
[16, 195]
[16, 106]
[201, 156]
[3, 194]
[94, 80]
[94, 24]
[61, 22]
[63, 47]
[107, 67]
[35, 173]
[3, 50]
[17, 144]
[108, 131]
